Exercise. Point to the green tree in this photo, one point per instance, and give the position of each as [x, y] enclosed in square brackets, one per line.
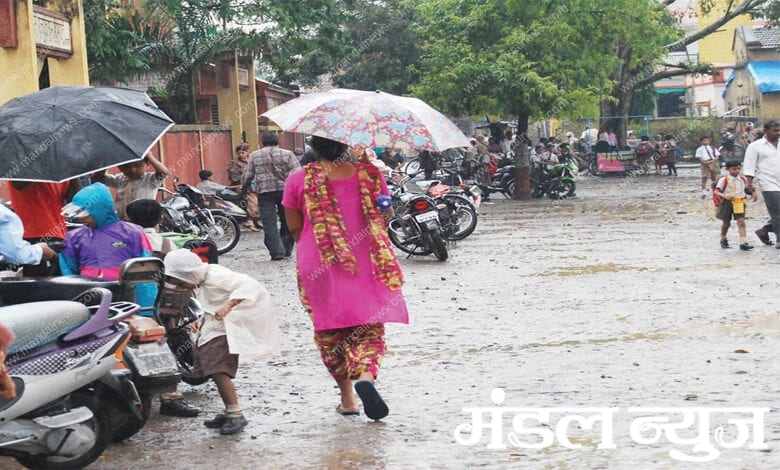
[381, 49]
[643, 44]
[112, 43]
[530, 60]
[177, 38]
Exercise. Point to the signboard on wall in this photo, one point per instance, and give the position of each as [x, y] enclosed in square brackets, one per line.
[243, 77]
[52, 33]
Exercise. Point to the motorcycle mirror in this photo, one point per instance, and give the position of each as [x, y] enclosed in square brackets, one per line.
[175, 179]
[195, 308]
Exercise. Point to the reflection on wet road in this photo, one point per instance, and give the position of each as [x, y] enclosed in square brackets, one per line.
[618, 298]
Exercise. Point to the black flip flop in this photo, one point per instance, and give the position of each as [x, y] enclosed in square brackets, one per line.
[373, 405]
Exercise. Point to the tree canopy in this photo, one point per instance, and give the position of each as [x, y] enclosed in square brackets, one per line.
[381, 50]
[175, 38]
[526, 59]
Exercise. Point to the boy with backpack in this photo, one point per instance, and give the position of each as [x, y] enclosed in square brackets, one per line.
[729, 194]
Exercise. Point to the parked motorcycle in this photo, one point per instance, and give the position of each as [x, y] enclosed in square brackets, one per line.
[179, 309]
[184, 212]
[231, 203]
[556, 183]
[62, 363]
[415, 227]
[458, 218]
[502, 181]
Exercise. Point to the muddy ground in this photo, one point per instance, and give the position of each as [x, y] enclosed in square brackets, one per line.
[620, 297]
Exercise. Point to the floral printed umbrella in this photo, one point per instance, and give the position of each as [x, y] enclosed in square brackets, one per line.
[368, 119]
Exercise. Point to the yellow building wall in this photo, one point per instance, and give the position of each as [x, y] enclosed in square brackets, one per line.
[716, 48]
[20, 66]
[73, 70]
[237, 106]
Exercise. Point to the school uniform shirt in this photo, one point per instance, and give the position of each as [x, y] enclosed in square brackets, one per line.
[210, 188]
[707, 153]
[735, 186]
[128, 190]
[762, 161]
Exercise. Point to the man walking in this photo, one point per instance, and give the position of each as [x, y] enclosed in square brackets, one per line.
[709, 158]
[269, 168]
[762, 162]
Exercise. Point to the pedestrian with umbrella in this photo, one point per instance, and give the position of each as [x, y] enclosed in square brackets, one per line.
[337, 209]
[330, 204]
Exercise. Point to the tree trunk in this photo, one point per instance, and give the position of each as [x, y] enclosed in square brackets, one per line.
[522, 163]
[615, 115]
[624, 109]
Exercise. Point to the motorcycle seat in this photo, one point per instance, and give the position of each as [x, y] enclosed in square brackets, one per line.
[39, 323]
[20, 290]
[425, 185]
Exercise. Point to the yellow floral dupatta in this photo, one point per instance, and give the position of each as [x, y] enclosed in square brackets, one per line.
[328, 224]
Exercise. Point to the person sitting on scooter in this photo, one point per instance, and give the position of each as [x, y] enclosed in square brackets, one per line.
[211, 188]
[103, 243]
[98, 249]
[148, 214]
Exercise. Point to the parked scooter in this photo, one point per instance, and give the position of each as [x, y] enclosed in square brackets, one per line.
[62, 363]
[184, 212]
[147, 359]
[231, 203]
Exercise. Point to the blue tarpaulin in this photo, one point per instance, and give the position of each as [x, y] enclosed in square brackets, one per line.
[728, 82]
[765, 74]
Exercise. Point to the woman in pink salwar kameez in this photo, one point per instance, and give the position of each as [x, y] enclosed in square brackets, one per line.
[348, 276]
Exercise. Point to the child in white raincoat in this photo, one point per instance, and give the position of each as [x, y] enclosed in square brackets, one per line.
[239, 321]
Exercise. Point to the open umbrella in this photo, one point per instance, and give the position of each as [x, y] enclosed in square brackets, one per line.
[64, 132]
[368, 119]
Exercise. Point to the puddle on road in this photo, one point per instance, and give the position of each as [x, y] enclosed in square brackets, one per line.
[759, 325]
[590, 269]
[508, 348]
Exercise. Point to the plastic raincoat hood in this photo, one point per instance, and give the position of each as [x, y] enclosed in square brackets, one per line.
[96, 199]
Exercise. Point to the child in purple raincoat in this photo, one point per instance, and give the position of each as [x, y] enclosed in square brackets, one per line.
[98, 249]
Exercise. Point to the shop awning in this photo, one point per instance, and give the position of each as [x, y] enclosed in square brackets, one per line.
[666, 91]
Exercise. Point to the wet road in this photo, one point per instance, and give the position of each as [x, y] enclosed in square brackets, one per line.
[618, 298]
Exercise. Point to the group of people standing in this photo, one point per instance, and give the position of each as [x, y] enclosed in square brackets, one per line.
[350, 290]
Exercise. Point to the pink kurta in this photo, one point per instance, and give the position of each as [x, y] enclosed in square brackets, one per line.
[337, 298]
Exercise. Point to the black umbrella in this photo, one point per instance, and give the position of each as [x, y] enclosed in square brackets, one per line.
[64, 132]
